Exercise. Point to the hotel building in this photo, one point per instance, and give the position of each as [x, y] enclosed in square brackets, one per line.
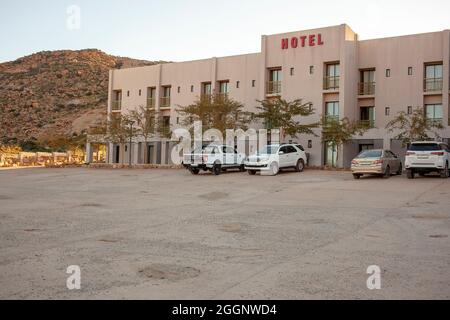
[369, 81]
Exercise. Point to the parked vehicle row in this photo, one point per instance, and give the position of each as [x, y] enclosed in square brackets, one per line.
[217, 158]
[421, 158]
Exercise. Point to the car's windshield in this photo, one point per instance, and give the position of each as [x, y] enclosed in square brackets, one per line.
[269, 150]
[370, 154]
[210, 149]
[425, 147]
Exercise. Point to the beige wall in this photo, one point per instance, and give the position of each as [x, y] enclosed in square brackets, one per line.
[341, 44]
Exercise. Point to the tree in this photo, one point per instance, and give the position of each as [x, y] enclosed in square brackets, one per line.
[120, 130]
[149, 123]
[413, 127]
[281, 114]
[339, 131]
[216, 112]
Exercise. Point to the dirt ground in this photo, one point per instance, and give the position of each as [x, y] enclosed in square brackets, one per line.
[165, 234]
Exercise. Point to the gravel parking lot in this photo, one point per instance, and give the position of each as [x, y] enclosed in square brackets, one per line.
[165, 234]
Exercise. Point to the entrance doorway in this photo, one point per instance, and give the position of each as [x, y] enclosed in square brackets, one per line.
[330, 154]
[117, 155]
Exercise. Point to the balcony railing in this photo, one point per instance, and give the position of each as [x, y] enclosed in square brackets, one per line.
[165, 102]
[366, 88]
[151, 102]
[367, 123]
[435, 121]
[205, 97]
[432, 84]
[273, 87]
[331, 118]
[116, 105]
[331, 83]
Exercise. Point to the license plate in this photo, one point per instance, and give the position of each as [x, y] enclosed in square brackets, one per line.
[423, 157]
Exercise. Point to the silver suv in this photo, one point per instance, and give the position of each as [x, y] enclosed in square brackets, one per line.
[427, 156]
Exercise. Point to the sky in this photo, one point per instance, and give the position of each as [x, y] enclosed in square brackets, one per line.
[176, 30]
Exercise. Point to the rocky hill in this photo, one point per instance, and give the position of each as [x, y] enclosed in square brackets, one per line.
[55, 92]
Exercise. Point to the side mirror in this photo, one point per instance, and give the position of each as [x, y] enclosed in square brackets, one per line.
[281, 152]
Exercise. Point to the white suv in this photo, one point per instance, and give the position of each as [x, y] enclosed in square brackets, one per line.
[427, 156]
[275, 157]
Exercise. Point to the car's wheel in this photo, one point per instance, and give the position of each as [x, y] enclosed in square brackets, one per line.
[410, 173]
[387, 173]
[217, 168]
[242, 168]
[251, 172]
[274, 168]
[194, 171]
[400, 170]
[444, 172]
[356, 176]
[300, 165]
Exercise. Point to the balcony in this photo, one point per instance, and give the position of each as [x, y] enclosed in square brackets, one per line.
[116, 105]
[165, 103]
[205, 97]
[273, 87]
[366, 88]
[331, 83]
[432, 84]
[331, 119]
[367, 123]
[151, 103]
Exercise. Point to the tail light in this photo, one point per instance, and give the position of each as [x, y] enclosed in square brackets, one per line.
[379, 161]
[355, 162]
[205, 158]
[440, 153]
[409, 153]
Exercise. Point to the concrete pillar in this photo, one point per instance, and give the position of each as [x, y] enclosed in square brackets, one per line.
[88, 158]
[135, 150]
[446, 78]
[110, 153]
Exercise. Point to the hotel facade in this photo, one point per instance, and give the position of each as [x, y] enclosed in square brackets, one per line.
[368, 81]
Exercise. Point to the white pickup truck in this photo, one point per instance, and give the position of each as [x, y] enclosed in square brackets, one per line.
[214, 158]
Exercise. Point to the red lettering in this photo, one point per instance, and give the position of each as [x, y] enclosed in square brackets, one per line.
[319, 40]
[303, 40]
[284, 43]
[294, 42]
[312, 40]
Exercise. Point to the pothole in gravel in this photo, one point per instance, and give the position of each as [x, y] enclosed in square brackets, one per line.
[169, 272]
[214, 195]
[90, 204]
[430, 217]
[232, 227]
[438, 236]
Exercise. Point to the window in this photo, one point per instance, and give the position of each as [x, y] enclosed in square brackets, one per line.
[332, 110]
[178, 120]
[367, 84]
[140, 92]
[292, 71]
[309, 144]
[367, 116]
[311, 69]
[151, 97]
[206, 89]
[117, 100]
[253, 83]
[224, 87]
[387, 111]
[433, 77]
[364, 147]
[332, 75]
[274, 84]
[410, 71]
[192, 88]
[128, 93]
[388, 73]
[178, 89]
[291, 149]
[410, 110]
[165, 99]
[237, 84]
[433, 112]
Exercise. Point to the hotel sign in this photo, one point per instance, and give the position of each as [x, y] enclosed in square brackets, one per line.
[303, 41]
